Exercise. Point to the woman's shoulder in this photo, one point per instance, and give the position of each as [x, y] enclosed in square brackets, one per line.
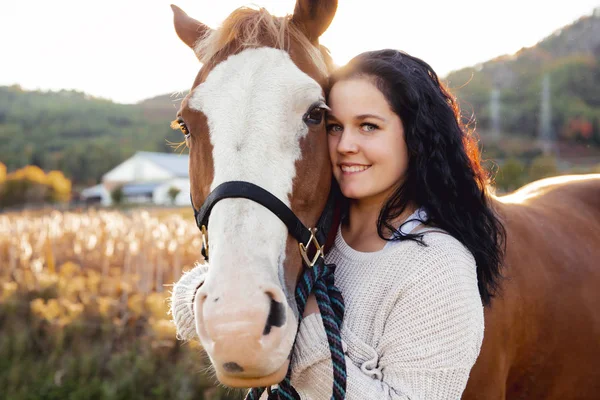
[439, 242]
[440, 255]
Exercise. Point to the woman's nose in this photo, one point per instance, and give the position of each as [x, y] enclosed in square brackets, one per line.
[347, 143]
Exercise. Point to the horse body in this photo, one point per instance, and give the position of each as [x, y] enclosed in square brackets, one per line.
[542, 332]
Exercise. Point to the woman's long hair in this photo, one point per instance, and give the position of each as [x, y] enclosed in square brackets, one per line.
[444, 173]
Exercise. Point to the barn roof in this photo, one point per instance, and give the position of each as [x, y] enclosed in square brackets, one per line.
[177, 164]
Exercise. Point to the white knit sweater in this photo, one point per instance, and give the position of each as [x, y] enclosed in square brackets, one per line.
[413, 325]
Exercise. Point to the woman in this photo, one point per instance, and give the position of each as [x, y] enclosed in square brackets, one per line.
[419, 250]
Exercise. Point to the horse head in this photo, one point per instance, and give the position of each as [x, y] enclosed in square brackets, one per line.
[255, 113]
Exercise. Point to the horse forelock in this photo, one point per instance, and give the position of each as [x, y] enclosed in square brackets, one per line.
[252, 28]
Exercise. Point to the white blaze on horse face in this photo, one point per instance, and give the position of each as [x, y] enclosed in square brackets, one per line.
[254, 103]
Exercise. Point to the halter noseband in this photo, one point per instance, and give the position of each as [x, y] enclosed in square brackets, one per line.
[240, 189]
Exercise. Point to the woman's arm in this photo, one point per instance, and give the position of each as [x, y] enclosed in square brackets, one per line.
[430, 342]
[182, 298]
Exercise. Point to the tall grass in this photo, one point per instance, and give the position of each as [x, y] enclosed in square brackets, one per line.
[83, 312]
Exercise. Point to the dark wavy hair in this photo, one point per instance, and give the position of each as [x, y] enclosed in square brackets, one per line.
[444, 174]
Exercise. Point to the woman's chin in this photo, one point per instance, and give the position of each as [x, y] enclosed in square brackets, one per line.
[353, 193]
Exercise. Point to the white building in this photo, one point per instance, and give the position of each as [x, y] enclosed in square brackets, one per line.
[147, 178]
[95, 194]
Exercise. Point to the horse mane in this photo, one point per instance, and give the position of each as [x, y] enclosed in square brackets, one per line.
[251, 28]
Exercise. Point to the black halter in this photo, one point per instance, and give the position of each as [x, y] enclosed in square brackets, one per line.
[250, 191]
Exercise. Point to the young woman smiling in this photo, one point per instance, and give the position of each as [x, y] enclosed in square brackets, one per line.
[419, 249]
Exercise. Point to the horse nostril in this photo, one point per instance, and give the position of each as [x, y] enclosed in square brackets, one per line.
[232, 367]
[276, 315]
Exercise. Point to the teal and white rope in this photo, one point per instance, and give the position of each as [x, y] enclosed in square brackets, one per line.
[320, 279]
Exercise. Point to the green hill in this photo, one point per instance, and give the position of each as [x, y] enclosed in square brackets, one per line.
[570, 57]
[81, 135]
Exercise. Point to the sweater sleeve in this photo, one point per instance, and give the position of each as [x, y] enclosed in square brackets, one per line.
[182, 298]
[431, 339]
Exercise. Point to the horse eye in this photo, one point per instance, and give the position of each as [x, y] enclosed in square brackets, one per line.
[314, 116]
[184, 129]
[180, 124]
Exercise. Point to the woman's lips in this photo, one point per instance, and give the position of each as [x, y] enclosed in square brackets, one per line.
[349, 169]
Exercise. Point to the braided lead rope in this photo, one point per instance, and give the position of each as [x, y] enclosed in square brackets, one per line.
[331, 304]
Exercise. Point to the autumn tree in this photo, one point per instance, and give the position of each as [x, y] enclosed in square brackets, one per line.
[32, 185]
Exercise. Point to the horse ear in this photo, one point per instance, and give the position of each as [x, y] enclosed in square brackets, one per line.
[314, 16]
[188, 29]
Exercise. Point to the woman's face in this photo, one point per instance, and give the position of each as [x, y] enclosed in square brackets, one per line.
[366, 141]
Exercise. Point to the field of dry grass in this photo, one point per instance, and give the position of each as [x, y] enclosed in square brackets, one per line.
[83, 306]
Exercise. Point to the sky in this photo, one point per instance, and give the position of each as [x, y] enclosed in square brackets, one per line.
[127, 50]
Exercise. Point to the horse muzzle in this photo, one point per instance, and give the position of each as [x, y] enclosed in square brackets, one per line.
[247, 332]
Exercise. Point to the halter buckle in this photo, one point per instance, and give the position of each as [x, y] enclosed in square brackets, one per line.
[320, 250]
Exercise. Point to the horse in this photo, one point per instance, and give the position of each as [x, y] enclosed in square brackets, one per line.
[542, 334]
[255, 113]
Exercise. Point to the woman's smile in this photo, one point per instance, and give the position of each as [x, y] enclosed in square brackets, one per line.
[351, 169]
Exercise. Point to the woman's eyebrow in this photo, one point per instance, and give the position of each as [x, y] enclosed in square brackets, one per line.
[366, 116]
[330, 116]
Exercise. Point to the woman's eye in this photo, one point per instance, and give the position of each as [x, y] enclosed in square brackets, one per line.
[334, 128]
[369, 127]
[314, 116]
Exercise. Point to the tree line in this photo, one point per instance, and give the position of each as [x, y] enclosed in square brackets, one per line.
[81, 136]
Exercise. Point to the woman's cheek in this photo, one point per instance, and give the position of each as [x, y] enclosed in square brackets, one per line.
[332, 142]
